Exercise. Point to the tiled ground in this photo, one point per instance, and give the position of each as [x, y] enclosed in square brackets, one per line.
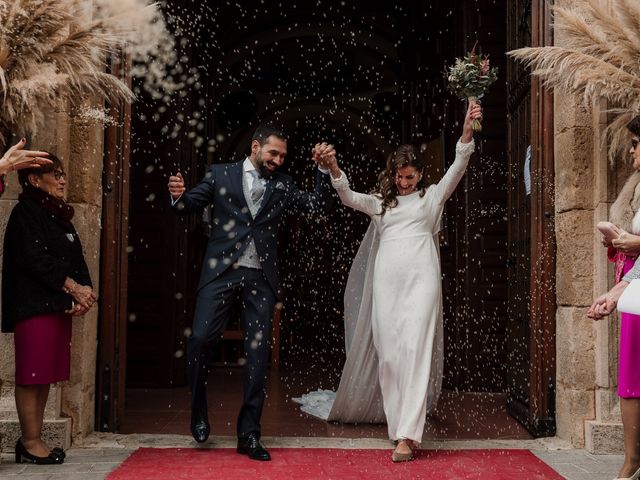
[580, 465]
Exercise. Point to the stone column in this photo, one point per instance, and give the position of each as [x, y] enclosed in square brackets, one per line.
[85, 194]
[575, 167]
[587, 407]
[604, 433]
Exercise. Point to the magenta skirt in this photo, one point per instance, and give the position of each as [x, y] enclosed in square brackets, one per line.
[629, 359]
[43, 349]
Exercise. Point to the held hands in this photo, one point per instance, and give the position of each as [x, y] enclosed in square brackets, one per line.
[325, 157]
[83, 297]
[176, 185]
[602, 306]
[474, 112]
[77, 310]
[16, 158]
[605, 304]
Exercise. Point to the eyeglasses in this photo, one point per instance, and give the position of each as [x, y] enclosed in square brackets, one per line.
[57, 174]
[634, 143]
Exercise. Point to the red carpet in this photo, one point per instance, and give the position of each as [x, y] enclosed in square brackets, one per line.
[331, 463]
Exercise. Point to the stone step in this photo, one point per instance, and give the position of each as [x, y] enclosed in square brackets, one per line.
[56, 432]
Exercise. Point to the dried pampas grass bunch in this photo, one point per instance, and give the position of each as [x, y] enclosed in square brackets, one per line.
[54, 53]
[599, 59]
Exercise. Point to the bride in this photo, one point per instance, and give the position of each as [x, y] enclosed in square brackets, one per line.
[393, 299]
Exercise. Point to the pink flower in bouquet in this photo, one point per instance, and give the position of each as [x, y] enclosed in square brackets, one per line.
[484, 69]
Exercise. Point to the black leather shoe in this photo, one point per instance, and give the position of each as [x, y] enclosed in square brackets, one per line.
[23, 455]
[250, 445]
[200, 426]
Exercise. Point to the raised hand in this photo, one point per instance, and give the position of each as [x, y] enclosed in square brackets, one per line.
[16, 158]
[176, 185]
[474, 112]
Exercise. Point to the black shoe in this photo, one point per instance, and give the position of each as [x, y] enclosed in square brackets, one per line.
[200, 426]
[250, 445]
[23, 455]
[59, 452]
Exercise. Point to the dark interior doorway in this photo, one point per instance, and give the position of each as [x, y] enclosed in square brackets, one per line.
[365, 76]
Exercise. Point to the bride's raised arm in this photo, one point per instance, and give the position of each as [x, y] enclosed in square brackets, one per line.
[445, 187]
[368, 204]
[464, 148]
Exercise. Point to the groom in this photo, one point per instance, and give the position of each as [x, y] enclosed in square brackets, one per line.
[247, 199]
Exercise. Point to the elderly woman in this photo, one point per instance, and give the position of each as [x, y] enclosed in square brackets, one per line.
[625, 214]
[16, 158]
[45, 282]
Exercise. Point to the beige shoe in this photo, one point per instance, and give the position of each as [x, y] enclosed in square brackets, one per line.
[402, 456]
[635, 476]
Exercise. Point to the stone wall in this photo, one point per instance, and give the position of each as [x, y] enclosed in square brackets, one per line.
[574, 174]
[587, 407]
[71, 408]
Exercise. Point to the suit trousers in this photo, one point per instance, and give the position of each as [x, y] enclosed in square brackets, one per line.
[248, 289]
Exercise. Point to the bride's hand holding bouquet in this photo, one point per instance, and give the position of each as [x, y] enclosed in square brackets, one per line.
[473, 117]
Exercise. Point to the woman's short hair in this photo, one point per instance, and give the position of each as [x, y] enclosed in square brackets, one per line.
[23, 175]
[634, 126]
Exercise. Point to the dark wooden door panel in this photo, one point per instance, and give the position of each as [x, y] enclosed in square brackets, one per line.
[476, 324]
[112, 332]
[531, 304]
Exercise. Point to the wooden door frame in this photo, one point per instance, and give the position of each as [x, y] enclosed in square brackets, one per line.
[112, 331]
[539, 416]
[543, 241]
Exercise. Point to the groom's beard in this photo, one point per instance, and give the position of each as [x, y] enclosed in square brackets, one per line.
[262, 169]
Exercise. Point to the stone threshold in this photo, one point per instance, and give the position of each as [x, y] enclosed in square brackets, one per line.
[100, 440]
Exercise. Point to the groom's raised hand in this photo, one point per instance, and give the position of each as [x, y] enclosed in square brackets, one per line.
[176, 186]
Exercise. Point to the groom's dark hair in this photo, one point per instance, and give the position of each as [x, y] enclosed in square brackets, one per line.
[265, 131]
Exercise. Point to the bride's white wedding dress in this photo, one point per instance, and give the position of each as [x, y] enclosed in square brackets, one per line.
[393, 312]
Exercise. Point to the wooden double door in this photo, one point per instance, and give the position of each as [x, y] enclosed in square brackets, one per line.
[499, 321]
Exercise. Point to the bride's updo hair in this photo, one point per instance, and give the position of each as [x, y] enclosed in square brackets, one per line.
[634, 126]
[403, 156]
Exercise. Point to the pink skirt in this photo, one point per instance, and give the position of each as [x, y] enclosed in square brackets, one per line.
[629, 360]
[43, 349]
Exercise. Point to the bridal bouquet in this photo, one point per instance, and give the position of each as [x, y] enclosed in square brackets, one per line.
[470, 78]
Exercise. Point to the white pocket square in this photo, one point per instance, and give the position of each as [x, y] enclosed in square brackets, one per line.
[280, 186]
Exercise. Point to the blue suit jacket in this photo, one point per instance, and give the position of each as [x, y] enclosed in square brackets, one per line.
[234, 226]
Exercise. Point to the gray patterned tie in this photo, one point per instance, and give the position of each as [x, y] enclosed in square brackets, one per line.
[257, 188]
